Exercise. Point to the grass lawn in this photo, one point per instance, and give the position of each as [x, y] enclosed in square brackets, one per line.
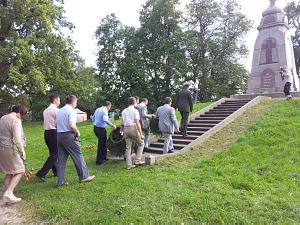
[246, 173]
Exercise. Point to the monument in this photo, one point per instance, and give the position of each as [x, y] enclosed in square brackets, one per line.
[273, 49]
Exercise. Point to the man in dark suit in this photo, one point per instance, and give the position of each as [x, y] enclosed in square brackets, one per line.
[184, 103]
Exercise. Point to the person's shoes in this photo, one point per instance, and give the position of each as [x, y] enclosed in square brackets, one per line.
[62, 185]
[171, 151]
[139, 163]
[42, 179]
[99, 163]
[130, 167]
[88, 179]
[10, 199]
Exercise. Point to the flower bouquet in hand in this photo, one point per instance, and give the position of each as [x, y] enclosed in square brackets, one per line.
[90, 147]
[28, 172]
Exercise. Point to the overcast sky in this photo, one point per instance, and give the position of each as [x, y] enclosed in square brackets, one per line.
[86, 16]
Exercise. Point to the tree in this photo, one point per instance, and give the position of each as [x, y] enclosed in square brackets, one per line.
[161, 46]
[142, 61]
[292, 11]
[214, 44]
[35, 58]
[155, 59]
[115, 62]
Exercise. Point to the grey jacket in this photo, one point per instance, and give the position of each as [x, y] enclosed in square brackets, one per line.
[144, 116]
[184, 101]
[167, 119]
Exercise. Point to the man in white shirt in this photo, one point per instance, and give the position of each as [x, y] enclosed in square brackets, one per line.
[130, 122]
[50, 136]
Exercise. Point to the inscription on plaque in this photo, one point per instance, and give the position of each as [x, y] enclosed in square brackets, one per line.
[267, 79]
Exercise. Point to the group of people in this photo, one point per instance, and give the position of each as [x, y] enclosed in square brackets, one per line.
[61, 136]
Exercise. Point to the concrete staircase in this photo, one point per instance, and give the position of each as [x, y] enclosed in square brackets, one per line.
[200, 125]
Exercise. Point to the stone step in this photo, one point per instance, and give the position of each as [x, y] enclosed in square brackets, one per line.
[197, 124]
[154, 150]
[223, 110]
[198, 128]
[217, 117]
[212, 121]
[177, 141]
[243, 101]
[161, 145]
[180, 137]
[218, 113]
[195, 133]
[227, 107]
[231, 105]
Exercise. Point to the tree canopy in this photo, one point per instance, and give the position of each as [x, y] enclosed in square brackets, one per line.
[36, 59]
[292, 11]
[204, 42]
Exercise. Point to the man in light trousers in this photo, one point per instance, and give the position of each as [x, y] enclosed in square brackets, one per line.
[130, 122]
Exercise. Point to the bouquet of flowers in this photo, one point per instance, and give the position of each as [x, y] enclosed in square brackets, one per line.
[28, 172]
[90, 147]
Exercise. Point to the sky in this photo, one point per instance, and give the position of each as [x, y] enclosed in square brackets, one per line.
[86, 16]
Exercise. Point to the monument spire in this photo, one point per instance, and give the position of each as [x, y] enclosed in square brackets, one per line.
[273, 49]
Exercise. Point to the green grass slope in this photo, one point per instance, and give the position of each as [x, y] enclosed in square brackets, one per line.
[246, 173]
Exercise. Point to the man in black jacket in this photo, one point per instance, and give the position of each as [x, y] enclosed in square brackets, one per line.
[184, 103]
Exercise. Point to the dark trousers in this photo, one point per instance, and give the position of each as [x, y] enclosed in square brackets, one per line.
[287, 88]
[101, 134]
[50, 137]
[184, 122]
[67, 144]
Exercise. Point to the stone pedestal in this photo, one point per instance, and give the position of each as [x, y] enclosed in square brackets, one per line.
[273, 49]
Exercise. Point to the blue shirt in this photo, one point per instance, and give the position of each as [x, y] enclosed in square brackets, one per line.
[100, 118]
[64, 117]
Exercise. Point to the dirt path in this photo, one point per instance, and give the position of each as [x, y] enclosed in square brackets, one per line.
[10, 214]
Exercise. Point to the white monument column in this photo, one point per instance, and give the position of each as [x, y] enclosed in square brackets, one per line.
[273, 49]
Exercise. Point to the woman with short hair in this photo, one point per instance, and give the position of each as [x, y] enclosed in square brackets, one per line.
[11, 160]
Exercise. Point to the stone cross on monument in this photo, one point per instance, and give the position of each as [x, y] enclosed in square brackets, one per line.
[273, 49]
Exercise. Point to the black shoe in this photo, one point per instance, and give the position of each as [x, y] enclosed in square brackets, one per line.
[42, 179]
[171, 151]
[99, 163]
